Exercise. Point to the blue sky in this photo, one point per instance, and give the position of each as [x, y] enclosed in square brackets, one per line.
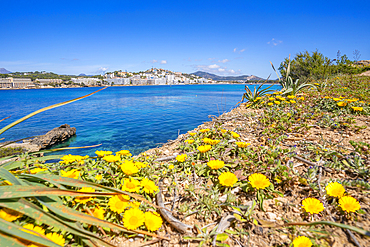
[221, 37]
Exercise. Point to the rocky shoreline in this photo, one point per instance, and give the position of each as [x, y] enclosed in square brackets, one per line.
[55, 136]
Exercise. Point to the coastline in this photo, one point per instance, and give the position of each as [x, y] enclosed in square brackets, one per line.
[142, 85]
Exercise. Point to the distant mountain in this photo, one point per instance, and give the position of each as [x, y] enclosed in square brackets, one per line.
[227, 78]
[82, 74]
[4, 71]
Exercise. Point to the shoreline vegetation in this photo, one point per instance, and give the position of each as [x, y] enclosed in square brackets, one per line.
[284, 168]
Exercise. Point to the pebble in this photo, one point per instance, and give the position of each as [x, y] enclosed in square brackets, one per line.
[272, 216]
[296, 210]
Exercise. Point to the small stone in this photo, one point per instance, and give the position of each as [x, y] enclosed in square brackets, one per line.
[223, 198]
[295, 210]
[272, 216]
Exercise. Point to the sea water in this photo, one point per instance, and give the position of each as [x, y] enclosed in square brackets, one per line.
[134, 118]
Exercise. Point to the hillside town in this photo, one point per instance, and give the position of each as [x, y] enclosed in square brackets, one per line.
[152, 76]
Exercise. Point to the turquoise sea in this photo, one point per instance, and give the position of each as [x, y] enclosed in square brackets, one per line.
[135, 118]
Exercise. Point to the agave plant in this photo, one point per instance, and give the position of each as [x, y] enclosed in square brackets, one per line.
[254, 96]
[36, 198]
[289, 86]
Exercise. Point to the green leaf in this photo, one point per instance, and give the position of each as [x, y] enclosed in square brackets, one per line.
[222, 237]
[31, 210]
[9, 241]
[4, 174]
[16, 231]
[17, 191]
[55, 179]
[352, 228]
[74, 215]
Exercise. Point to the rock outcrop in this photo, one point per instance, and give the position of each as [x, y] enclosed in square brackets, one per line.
[54, 136]
[362, 63]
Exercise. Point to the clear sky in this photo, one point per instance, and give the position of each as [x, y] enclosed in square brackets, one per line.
[221, 37]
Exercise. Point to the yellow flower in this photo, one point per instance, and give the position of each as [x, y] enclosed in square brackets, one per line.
[140, 164]
[37, 170]
[99, 177]
[258, 98]
[152, 221]
[277, 102]
[67, 159]
[204, 148]
[302, 241]
[207, 140]
[214, 142]
[37, 229]
[259, 181]
[335, 189]
[9, 214]
[70, 174]
[227, 179]
[124, 153]
[6, 182]
[98, 213]
[341, 103]
[276, 93]
[215, 164]
[131, 185]
[171, 167]
[301, 98]
[148, 186]
[103, 153]
[291, 97]
[235, 135]
[357, 108]
[133, 218]
[56, 238]
[84, 199]
[293, 101]
[336, 99]
[349, 204]
[192, 133]
[189, 141]
[128, 167]
[118, 203]
[312, 205]
[111, 158]
[242, 144]
[282, 98]
[134, 204]
[326, 97]
[270, 104]
[204, 130]
[271, 99]
[181, 157]
[223, 131]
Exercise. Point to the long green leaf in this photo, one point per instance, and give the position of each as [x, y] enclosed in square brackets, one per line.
[330, 223]
[33, 211]
[45, 109]
[16, 164]
[9, 241]
[84, 218]
[4, 174]
[17, 191]
[16, 231]
[54, 179]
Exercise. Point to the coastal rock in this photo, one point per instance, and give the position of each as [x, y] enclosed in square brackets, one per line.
[54, 136]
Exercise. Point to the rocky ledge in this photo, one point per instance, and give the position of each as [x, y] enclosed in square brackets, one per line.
[53, 137]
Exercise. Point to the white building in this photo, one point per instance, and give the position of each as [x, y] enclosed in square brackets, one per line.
[86, 81]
